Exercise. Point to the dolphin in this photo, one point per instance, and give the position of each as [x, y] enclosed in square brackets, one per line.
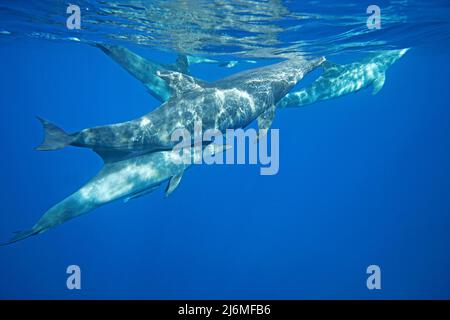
[230, 103]
[146, 70]
[126, 179]
[383, 59]
[338, 80]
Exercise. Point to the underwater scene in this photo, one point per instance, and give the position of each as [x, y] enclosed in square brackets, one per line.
[225, 149]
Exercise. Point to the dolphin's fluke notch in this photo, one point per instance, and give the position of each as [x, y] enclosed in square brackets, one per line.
[54, 137]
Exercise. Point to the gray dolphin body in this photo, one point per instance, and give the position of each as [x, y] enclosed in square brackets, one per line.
[127, 179]
[146, 71]
[230, 103]
[338, 80]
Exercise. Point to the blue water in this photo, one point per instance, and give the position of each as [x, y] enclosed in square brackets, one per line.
[363, 179]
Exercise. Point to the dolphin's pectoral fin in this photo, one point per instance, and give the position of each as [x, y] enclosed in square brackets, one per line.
[141, 193]
[179, 82]
[378, 83]
[265, 121]
[173, 183]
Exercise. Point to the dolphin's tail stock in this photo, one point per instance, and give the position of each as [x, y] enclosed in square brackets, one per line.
[54, 138]
[21, 235]
[72, 206]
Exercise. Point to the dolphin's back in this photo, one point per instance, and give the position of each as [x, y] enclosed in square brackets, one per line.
[275, 80]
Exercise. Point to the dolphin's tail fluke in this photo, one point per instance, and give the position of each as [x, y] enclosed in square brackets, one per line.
[55, 138]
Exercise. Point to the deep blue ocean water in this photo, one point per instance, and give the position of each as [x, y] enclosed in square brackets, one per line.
[363, 179]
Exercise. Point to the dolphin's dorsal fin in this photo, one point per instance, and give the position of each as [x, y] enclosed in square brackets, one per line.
[179, 82]
[173, 183]
[141, 193]
[379, 83]
[182, 64]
